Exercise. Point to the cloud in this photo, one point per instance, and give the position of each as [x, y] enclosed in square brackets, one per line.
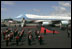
[60, 11]
[58, 8]
[3, 9]
[66, 4]
[8, 2]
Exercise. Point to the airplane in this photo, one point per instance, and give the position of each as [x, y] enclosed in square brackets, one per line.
[38, 17]
[31, 18]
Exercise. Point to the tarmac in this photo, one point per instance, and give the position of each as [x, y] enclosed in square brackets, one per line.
[59, 40]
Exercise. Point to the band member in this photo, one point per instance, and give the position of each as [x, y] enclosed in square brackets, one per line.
[17, 40]
[20, 35]
[29, 39]
[11, 36]
[40, 39]
[38, 33]
[7, 40]
[29, 32]
[33, 39]
[4, 33]
[15, 33]
[9, 30]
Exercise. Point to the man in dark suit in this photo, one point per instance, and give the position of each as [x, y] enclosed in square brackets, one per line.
[45, 32]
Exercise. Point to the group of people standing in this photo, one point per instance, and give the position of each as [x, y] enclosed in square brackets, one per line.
[17, 36]
[10, 35]
[36, 37]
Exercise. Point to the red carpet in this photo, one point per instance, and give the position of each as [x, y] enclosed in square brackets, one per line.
[47, 31]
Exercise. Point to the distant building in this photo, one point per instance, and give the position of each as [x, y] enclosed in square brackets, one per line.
[10, 22]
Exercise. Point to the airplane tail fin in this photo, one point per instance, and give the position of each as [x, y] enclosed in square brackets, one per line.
[20, 16]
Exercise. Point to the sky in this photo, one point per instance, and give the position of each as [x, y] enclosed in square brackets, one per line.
[12, 9]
